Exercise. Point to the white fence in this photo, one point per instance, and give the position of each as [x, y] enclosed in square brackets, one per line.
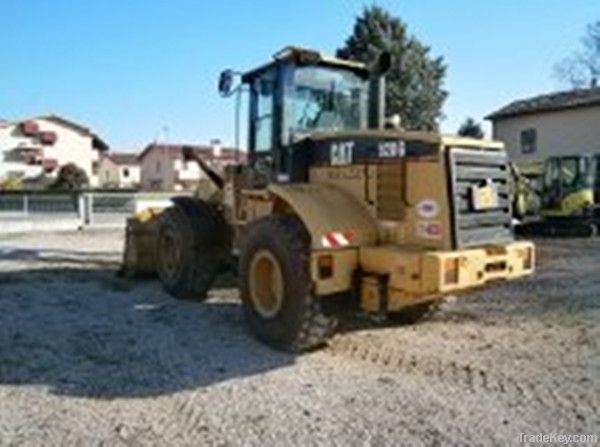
[29, 211]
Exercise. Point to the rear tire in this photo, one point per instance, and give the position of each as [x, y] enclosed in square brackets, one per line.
[276, 286]
[192, 247]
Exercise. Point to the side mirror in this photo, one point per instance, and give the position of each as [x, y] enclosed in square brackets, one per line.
[382, 65]
[226, 83]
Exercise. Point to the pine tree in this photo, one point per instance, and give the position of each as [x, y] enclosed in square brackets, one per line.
[415, 81]
[471, 128]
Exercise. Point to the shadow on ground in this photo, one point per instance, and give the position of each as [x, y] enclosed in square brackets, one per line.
[68, 323]
[81, 331]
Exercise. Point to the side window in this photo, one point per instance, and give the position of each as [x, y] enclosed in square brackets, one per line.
[264, 89]
[568, 171]
[528, 141]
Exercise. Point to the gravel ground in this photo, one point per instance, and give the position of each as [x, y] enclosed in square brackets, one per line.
[90, 359]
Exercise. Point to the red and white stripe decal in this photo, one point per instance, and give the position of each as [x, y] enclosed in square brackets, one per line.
[336, 239]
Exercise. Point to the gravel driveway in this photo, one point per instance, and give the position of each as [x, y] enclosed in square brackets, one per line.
[90, 359]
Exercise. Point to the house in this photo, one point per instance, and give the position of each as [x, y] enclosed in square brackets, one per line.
[119, 170]
[556, 124]
[37, 147]
[163, 167]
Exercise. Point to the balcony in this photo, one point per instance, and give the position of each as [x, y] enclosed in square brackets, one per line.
[27, 155]
[29, 128]
[48, 138]
[49, 165]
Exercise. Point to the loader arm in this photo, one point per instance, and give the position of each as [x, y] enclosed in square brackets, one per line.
[216, 179]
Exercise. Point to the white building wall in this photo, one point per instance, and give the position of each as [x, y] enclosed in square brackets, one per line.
[108, 172]
[135, 176]
[163, 168]
[10, 138]
[570, 131]
[165, 171]
[70, 147]
[187, 171]
[111, 174]
[157, 173]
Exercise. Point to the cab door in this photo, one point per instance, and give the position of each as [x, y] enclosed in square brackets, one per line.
[261, 133]
[551, 191]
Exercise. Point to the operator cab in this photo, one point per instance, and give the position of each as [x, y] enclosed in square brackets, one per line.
[300, 93]
[567, 175]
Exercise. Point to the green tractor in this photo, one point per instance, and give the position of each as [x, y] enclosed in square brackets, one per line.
[569, 198]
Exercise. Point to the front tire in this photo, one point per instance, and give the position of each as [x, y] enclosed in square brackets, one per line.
[276, 286]
[192, 247]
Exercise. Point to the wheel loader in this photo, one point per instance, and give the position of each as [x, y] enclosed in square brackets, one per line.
[569, 199]
[335, 212]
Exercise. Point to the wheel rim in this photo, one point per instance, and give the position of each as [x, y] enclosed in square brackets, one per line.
[169, 254]
[266, 284]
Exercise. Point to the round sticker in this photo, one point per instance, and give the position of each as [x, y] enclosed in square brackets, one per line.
[428, 208]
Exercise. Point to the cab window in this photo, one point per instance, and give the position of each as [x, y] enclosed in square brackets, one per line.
[551, 173]
[264, 92]
[321, 99]
[569, 169]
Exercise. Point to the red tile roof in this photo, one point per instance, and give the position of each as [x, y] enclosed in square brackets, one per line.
[123, 158]
[206, 152]
[569, 99]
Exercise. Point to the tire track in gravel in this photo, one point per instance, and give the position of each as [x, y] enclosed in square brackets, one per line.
[186, 420]
[473, 378]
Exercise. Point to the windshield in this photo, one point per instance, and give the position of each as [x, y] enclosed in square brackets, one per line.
[325, 99]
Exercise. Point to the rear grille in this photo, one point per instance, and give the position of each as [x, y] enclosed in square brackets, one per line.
[472, 168]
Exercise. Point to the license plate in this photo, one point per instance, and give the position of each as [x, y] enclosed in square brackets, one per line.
[484, 197]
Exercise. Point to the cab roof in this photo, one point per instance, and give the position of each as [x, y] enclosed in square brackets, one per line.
[303, 56]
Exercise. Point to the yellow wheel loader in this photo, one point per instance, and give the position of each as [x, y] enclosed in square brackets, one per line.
[569, 198]
[334, 211]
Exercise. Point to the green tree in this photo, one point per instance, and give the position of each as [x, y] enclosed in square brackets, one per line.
[471, 128]
[415, 81]
[71, 176]
[582, 68]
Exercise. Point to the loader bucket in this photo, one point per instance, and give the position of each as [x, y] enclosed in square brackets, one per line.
[141, 238]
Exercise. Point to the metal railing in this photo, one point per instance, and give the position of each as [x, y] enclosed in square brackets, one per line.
[85, 208]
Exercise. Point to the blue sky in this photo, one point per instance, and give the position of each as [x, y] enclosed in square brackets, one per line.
[128, 68]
